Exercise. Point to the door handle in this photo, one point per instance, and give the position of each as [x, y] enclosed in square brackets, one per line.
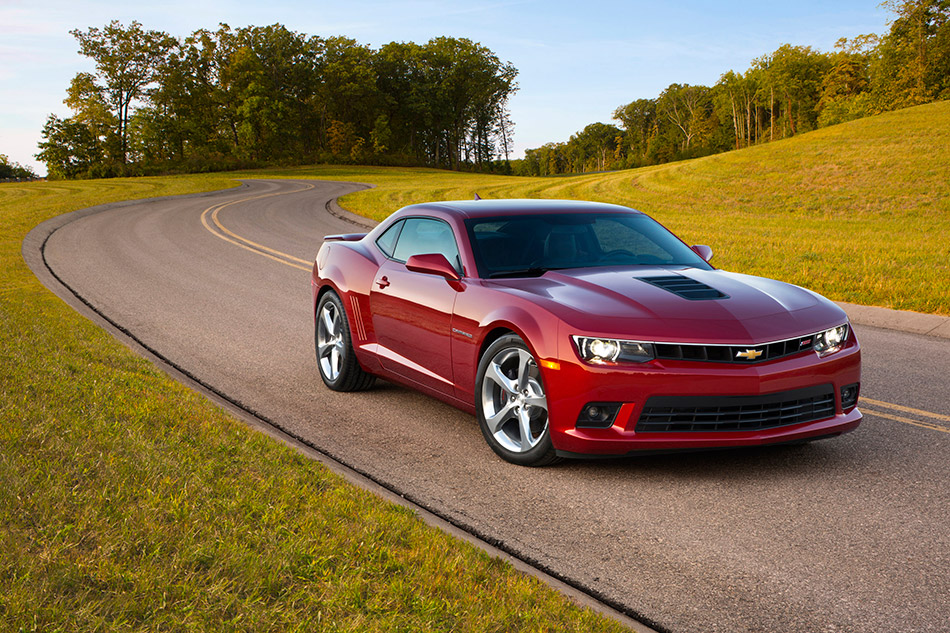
[382, 282]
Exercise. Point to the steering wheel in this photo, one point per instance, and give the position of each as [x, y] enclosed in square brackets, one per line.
[619, 253]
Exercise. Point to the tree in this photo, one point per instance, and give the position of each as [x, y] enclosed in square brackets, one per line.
[69, 148]
[269, 83]
[735, 98]
[86, 100]
[187, 114]
[639, 120]
[462, 84]
[593, 147]
[913, 65]
[505, 129]
[127, 61]
[547, 160]
[685, 107]
[348, 90]
[13, 170]
[844, 88]
[399, 71]
[793, 76]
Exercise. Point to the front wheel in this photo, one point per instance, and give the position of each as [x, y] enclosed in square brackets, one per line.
[512, 405]
[335, 357]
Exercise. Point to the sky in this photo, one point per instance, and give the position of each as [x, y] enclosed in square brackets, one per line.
[577, 60]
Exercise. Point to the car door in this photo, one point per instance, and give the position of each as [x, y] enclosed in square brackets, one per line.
[412, 312]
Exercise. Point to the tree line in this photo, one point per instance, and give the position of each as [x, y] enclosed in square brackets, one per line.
[267, 95]
[13, 171]
[789, 91]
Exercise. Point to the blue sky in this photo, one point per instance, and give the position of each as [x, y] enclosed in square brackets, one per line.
[577, 61]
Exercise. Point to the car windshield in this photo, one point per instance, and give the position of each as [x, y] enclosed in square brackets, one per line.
[530, 245]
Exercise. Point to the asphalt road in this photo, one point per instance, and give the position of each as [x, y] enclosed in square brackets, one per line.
[849, 534]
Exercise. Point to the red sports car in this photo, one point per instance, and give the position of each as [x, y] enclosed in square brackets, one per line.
[580, 329]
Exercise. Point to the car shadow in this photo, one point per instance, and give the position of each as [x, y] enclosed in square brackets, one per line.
[832, 455]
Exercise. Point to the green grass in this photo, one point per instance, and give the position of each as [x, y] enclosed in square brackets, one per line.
[858, 212]
[130, 503]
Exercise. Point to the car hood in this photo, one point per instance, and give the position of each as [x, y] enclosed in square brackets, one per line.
[678, 305]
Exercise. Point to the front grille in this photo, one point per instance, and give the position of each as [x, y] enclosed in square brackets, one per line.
[741, 354]
[679, 414]
[684, 287]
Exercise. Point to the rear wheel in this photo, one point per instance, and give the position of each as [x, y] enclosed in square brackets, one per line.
[335, 357]
[512, 405]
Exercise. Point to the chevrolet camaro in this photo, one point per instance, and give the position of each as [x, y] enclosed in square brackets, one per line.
[580, 329]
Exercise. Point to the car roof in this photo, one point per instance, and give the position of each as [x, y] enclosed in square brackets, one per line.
[492, 208]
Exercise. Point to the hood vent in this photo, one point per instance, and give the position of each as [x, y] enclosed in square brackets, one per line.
[685, 287]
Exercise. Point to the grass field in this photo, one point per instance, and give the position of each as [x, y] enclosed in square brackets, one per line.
[129, 503]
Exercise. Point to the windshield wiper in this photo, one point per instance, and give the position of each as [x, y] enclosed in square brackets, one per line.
[524, 272]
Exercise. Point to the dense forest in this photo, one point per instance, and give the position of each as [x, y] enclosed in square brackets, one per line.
[789, 91]
[266, 95]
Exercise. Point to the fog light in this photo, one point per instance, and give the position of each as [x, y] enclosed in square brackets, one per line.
[849, 396]
[598, 415]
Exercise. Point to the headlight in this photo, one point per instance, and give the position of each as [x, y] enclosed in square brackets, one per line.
[599, 351]
[831, 341]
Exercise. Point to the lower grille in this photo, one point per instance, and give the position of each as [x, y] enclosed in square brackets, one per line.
[676, 414]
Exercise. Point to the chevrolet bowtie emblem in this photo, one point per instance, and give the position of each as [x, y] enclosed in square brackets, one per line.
[749, 354]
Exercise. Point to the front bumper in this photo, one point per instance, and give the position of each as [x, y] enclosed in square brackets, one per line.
[576, 384]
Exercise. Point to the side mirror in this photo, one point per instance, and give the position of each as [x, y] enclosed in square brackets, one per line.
[703, 251]
[433, 264]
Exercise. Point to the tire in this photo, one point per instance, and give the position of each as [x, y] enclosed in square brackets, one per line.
[512, 405]
[336, 359]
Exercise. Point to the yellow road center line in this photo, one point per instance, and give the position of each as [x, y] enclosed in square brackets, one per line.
[897, 418]
[217, 223]
[246, 247]
[249, 245]
[897, 407]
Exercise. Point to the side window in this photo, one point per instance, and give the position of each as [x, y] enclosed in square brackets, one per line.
[424, 235]
[387, 241]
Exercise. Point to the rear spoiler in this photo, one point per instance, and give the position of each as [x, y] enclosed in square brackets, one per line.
[344, 237]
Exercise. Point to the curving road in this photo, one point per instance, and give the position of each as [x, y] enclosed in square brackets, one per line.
[850, 534]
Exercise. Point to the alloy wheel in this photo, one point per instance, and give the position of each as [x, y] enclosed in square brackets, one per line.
[513, 401]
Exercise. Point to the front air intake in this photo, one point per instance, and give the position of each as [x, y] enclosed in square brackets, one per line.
[712, 414]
